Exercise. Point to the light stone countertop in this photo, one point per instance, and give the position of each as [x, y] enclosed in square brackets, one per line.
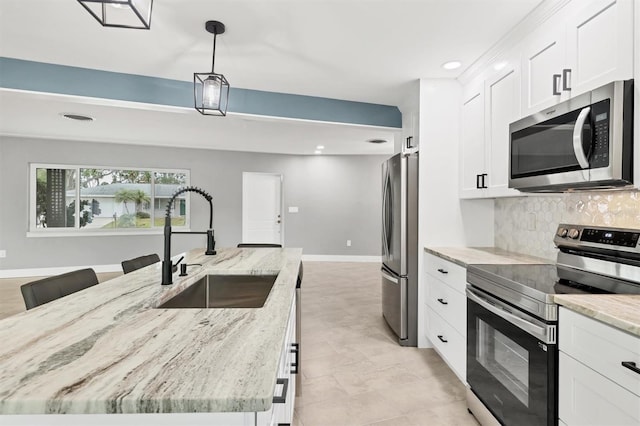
[618, 310]
[464, 256]
[107, 350]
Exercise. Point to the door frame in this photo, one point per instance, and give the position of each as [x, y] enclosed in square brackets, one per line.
[244, 194]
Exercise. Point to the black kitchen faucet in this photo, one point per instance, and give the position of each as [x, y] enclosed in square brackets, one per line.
[167, 264]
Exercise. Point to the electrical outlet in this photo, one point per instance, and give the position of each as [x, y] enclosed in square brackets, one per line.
[293, 209]
[348, 243]
[3, 253]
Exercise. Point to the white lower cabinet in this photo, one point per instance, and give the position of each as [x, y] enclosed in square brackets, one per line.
[281, 411]
[446, 312]
[597, 382]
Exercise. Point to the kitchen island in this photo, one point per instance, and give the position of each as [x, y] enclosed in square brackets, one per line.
[110, 350]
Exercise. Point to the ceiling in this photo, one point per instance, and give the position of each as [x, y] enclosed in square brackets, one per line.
[358, 50]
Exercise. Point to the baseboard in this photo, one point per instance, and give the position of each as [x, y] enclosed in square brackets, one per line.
[47, 272]
[338, 258]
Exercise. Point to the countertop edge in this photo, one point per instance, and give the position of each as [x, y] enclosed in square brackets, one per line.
[464, 256]
[611, 309]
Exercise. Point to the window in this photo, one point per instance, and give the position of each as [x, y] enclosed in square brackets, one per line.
[90, 200]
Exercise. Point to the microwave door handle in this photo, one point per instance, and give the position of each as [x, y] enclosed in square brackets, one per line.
[577, 138]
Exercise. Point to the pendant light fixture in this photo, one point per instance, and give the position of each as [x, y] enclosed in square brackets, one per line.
[120, 13]
[211, 90]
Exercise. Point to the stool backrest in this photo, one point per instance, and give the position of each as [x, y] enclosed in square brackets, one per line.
[42, 291]
[139, 262]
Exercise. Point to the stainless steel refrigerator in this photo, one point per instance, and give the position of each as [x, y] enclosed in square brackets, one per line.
[400, 246]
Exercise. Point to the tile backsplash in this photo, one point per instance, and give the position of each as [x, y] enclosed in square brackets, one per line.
[528, 224]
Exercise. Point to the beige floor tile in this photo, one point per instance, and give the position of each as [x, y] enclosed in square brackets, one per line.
[453, 414]
[359, 409]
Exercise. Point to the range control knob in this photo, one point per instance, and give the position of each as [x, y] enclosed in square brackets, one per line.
[574, 233]
[562, 232]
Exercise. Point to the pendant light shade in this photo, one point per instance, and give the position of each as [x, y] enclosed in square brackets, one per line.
[211, 90]
[120, 13]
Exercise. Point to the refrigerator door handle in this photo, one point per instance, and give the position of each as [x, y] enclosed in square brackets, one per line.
[384, 214]
[389, 277]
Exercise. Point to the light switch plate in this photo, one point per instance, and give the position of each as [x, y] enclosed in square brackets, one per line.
[293, 209]
[3, 253]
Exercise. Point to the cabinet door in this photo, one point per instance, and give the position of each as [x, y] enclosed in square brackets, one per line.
[543, 56]
[600, 43]
[502, 106]
[588, 398]
[472, 145]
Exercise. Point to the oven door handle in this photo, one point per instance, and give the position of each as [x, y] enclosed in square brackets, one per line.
[577, 138]
[544, 332]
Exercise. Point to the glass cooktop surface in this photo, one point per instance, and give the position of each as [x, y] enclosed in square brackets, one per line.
[541, 278]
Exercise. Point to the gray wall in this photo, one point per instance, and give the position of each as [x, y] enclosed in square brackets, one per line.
[338, 197]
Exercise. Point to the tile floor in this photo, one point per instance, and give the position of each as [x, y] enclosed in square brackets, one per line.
[354, 372]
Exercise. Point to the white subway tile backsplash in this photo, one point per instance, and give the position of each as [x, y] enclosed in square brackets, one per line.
[527, 224]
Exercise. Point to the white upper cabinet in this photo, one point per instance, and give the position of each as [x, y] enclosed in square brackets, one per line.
[599, 44]
[489, 106]
[543, 58]
[585, 45]
[472, 145]
[502, 107]
[579, 46]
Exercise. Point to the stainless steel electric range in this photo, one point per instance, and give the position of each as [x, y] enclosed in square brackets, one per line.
[512, 320]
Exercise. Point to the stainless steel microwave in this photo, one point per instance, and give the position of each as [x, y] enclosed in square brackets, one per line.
[583, 143]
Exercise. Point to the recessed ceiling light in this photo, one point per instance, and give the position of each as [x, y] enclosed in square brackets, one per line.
[452, 65]
[317, 151]
[377, 141]
[320, 147]
[77, 117]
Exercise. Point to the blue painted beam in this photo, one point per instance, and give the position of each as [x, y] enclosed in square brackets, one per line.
[61, 79]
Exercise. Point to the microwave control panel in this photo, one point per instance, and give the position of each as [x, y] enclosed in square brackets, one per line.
[600, 133]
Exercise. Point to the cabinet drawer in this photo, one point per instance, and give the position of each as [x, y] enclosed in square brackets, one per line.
[588, 398]
[450, 273]
[601, 347]
[450, 344]
[448, 303]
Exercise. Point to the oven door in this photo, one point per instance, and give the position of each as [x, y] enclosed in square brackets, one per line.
[511, 362]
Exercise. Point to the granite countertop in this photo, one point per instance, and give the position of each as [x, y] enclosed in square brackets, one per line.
[107, 350]
[464, 256]
[619, 310]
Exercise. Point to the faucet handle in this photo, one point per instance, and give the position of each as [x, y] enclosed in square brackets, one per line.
[174, 266]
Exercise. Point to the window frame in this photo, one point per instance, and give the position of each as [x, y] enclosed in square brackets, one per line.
[76, 230]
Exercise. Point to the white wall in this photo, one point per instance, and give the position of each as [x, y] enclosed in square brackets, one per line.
[445, 220]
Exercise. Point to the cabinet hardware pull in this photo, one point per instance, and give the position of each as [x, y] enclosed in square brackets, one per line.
[409, 141]
[631, 366]
[556, 81]
[484, 184]
[442, 339]
[295, 349]
[442, 271]
[478, 186]
[444, 302]
[282, 399]
[566, 77]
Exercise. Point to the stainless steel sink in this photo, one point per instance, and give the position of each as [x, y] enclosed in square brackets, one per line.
[224, 291]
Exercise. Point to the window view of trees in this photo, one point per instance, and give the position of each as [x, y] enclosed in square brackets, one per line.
[107, 198]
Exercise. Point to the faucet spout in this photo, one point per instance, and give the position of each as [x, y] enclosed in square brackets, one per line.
[167, 264]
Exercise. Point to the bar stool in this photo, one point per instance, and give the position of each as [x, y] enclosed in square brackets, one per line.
[43, 291]
[139, 262]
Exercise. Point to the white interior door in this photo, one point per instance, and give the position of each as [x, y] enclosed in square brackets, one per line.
[261, 208]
